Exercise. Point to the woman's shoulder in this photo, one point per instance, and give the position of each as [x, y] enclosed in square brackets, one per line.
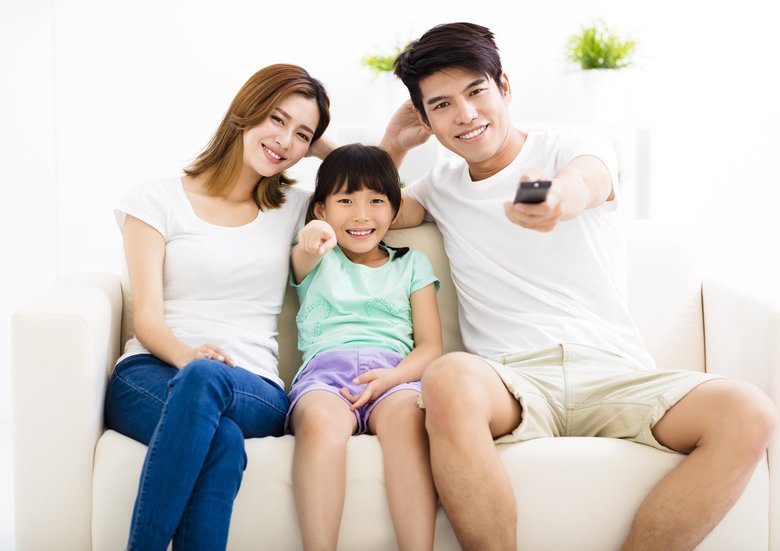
[155, 189]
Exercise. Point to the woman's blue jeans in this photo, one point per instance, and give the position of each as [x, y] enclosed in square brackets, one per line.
[194, 422]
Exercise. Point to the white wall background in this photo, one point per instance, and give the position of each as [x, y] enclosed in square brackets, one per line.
[97, 96]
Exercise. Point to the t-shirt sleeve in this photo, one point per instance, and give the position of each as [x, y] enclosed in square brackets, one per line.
[299, 199]
[148, 204]
[422, 272]
[418, 190]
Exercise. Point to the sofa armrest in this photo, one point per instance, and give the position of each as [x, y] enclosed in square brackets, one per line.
[742, 333]
[742, 336]
[63, 346]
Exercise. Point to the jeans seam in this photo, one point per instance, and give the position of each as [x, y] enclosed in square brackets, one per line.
[139, 389]
[258, 399]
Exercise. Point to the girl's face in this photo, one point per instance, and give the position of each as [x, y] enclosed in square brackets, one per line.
[360, 220]
[283, 138]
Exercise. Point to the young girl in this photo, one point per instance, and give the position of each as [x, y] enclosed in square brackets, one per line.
[367, 327]
[208, 254]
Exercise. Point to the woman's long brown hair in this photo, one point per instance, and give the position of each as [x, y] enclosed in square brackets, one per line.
[222, 159]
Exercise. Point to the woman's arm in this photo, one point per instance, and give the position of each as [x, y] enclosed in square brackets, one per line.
[426, 327]
[144, 253]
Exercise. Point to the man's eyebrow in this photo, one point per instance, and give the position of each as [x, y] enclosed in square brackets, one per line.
[287, 116]
[471, 84]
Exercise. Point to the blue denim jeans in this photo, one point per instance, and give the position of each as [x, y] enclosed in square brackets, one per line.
[194, 422]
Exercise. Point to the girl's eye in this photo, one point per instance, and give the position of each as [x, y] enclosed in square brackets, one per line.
[344, 201]
[377, 201]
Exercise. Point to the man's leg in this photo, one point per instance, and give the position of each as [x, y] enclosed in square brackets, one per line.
[467, 406]
[725, 427]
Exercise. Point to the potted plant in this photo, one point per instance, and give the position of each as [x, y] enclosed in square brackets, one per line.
[381, 65]
[601, 54]
[598, 47]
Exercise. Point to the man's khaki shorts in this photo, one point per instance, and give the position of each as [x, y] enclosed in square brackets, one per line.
[573, 390]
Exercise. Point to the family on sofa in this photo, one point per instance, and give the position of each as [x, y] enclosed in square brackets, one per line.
[552, 347]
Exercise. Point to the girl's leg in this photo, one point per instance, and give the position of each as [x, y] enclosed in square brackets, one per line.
[322, 424]
[195, 459]
[400, 425]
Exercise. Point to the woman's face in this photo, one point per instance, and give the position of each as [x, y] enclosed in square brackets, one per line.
[283, 138]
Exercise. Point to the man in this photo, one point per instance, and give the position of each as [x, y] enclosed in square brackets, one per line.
[552, 348]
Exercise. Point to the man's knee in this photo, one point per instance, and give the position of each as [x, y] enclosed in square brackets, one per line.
[756, 417]
[453, 387]
[734, 416]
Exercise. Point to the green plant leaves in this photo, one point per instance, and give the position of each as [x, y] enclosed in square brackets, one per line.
[597, 47]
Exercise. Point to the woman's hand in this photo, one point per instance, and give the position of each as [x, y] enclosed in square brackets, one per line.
[321, 148]
[204, 352]
[377, 381]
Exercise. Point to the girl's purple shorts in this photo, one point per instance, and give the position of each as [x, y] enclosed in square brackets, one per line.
[334, 369]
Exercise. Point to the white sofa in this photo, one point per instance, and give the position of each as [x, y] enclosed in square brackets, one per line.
[76, 482]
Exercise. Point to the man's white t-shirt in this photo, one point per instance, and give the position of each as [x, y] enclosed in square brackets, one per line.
[221, 285]
[520, 289]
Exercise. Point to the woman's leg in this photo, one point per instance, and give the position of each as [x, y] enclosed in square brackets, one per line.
[322, 424]
[400, 425]
[206, 519]
[195, 461]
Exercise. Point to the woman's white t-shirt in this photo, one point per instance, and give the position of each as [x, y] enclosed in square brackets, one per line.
[221, 285]
[521, 289]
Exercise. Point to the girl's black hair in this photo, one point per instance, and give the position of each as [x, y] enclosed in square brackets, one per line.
[354, 167]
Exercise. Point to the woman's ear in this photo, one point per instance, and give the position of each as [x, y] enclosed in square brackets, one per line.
[319, 211]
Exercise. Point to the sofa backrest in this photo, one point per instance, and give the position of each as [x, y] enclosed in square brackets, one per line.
[663, 288]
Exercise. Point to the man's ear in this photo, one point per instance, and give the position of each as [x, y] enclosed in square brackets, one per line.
[319, 211]
[506, 89]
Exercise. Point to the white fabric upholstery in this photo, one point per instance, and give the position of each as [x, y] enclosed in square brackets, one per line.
[75, 483]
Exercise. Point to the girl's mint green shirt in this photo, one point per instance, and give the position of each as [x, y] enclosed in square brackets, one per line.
[348, 305]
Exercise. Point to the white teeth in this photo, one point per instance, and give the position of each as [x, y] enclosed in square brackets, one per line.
[473, 133]
[359, 233]
[272, 154]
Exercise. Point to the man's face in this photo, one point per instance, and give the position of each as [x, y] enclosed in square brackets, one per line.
[467, 112]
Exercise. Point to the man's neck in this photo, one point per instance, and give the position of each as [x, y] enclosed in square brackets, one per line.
[502, 158]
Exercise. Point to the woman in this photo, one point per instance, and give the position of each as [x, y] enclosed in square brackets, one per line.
[207, 255]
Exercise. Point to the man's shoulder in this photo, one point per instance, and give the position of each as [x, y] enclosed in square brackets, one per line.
[447, 169]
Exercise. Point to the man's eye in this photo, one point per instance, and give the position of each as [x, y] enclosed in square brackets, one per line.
[441, 105]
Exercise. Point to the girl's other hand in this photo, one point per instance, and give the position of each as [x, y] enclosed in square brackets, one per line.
[377, 381]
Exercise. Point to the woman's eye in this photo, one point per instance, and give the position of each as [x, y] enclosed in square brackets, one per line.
[304, 137]
[277, 119]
